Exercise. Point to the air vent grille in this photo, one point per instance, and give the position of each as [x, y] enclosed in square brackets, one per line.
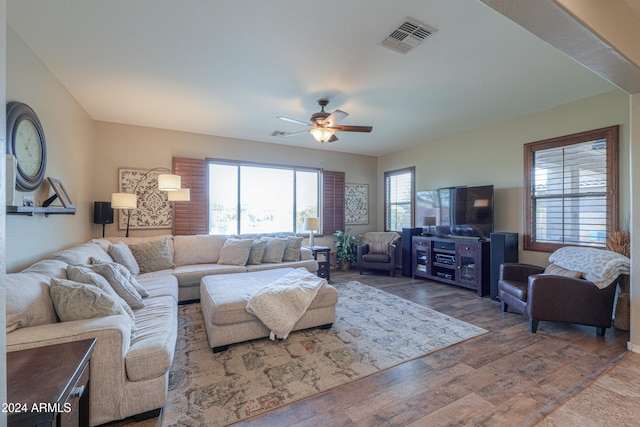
[407, 36]
[278, 133]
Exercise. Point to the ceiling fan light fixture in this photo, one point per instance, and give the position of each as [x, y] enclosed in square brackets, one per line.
[322, 134]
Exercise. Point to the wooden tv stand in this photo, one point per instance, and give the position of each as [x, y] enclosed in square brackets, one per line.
[457, 261]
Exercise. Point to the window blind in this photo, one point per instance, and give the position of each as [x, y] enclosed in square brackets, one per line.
[399, 199]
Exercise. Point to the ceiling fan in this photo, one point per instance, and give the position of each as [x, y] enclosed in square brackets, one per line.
[324, 125]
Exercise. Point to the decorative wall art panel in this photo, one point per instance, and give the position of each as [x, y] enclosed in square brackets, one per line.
[356, 204]
[154, 209]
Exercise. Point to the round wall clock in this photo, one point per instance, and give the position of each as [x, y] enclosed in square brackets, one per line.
[25, 140]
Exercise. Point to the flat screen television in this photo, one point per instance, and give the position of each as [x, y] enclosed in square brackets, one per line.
[456, 211]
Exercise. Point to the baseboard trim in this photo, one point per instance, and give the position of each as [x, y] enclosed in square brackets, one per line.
[633, 347]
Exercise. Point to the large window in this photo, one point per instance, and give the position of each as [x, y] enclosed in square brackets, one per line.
[399, 188]
[254, 198]
[571, 187]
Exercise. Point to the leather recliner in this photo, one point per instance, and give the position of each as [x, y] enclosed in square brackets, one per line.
[380, 260]
[545, 297]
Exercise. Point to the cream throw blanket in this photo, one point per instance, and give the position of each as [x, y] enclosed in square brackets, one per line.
[280, 304]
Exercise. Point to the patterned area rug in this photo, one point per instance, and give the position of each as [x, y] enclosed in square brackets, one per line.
[374, 330]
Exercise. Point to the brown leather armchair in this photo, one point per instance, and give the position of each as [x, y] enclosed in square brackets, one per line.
[371, 257]
[553, 298]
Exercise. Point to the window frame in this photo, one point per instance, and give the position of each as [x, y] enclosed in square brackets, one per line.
[293, 168]
[610, 134]
[411, 170]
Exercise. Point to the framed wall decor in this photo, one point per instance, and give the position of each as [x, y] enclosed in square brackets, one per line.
[154, 209]
[61, 192]
[356, 204]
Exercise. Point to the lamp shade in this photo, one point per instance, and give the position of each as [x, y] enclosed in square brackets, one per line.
[429, 221]
[182, 195]
[311, 224]
[169, 182]
[124, 201]
[322, 134]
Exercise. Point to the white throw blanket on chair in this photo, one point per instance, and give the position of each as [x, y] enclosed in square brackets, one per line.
[280, 304]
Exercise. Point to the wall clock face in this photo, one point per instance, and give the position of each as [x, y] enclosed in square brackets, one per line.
[25, 140]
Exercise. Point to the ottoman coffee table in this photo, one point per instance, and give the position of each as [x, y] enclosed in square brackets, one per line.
[224, 298]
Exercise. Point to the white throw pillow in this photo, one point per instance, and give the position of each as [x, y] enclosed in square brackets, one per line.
[121, 254]
[235, 252]
[119, 283]
[274, 250]
[79, 301]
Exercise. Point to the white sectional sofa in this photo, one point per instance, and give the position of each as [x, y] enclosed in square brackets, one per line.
[132, 358]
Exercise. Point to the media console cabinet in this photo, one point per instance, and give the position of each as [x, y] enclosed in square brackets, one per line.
[457, 261]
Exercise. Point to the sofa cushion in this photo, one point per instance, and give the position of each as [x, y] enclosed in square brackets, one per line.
[292, 250]
[81, 254]
[274, 250]
[123, 287]
[79, 301]
[123, 256]
[153, 255]
[376, 258]
[127, 275]
[257, 252]
[85, 275]
[235, 252]
[160, 285]
[190, 275]
[27, 301]
[199, 249]
[49, 268]
[310, 264]
[153, 345]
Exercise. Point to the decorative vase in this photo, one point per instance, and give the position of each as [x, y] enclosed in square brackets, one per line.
[622, 314]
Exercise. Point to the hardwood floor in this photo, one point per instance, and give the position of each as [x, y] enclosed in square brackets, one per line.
[563, 375]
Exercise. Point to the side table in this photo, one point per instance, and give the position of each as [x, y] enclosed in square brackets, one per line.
[49, 386]
[321, 255]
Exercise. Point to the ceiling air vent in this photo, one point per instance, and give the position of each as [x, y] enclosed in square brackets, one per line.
[407, 36]
[278, 133]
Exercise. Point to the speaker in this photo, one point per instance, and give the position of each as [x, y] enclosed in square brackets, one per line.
[503, 248]
[407, 247]
[102, 213]
[12, 170]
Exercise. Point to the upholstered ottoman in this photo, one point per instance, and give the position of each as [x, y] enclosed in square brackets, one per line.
[224, 299]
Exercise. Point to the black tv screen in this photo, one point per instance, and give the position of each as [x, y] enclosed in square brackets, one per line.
[456, 211]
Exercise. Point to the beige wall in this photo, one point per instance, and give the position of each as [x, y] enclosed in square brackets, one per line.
[494, 155]
[119, 146]
[635, 225]
[69, 133]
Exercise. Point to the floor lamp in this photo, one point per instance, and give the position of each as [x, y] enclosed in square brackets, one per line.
[166, 182]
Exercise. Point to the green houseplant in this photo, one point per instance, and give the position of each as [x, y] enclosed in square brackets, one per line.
[346, 248]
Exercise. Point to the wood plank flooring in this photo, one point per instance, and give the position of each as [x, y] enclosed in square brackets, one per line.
[563, 375]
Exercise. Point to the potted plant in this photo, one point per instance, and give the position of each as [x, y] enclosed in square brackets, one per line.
[346, 248]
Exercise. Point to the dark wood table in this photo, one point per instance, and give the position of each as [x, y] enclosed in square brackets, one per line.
[49, 386]
[321, 255]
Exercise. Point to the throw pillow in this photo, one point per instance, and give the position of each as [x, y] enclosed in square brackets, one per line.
[556, 270]
[235, 252]
[153, 255]
[86, 276]
[119, 283]
[127, 275]
[121, 254]
[257, 252]
[27, 301]
[274, 250]
[292, 249]
[379, 248]
[79, 301]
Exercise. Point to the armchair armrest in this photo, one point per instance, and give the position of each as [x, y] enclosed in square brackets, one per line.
[518, 272]
[362, 250]
[392, 253]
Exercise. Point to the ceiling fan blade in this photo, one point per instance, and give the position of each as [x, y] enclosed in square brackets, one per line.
[335, 117]
[353, 128]
[333, 138]
[287, 119]
[288, 134]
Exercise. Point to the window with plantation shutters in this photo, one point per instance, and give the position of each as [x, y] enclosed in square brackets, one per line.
[572, 190]
[399, 190]
[191, 217]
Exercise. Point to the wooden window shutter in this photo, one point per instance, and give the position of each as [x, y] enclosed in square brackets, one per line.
[191, 217]
[332, 202]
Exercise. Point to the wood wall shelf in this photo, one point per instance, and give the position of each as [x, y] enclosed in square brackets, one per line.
[30, 210]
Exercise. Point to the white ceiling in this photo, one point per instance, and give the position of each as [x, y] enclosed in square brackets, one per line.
[228, 68]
